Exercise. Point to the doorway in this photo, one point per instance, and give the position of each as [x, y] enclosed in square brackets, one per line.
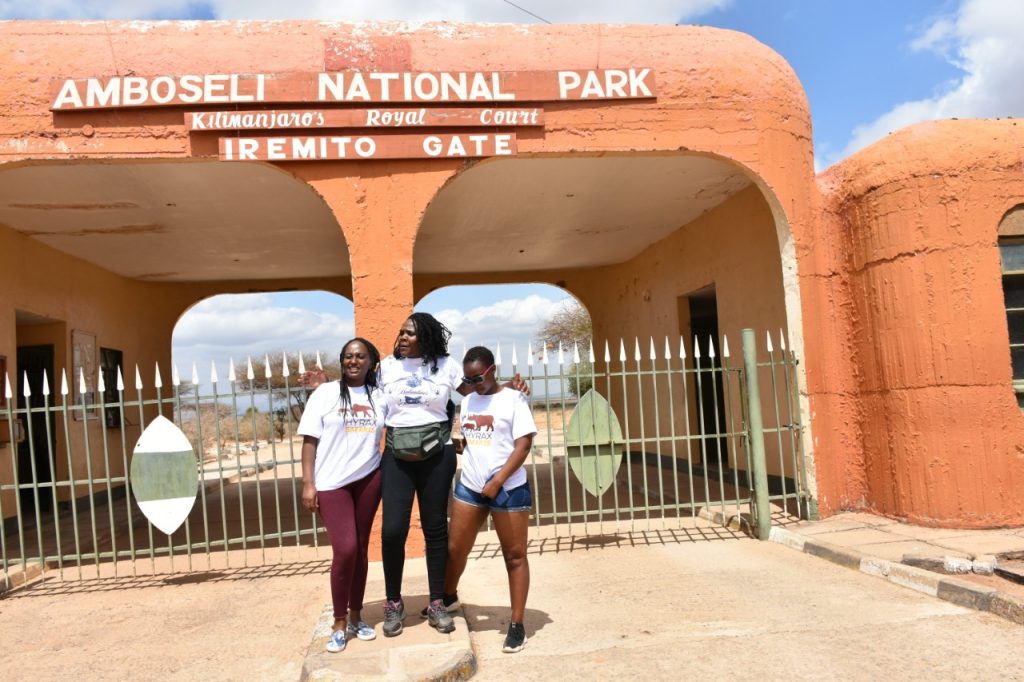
[703, 310]
[34, 470]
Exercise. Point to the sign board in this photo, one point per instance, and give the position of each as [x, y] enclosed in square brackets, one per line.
[366, 147]
[353, 87]
[501, 94]
[364, 118]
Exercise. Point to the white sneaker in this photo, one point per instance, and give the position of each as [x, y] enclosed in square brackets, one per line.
[362, 631]
[336, 643]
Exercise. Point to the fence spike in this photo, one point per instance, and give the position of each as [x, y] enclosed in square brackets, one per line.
[8, 394]
[267, 374]
[46, 384]
[654, 353]
[711, 346]
[158, 381]
[463, 351]
[696, 347]
[576, 352]
[668, 350]
[101, 385]
[302, 366]
[590, 352]
[515, 360]
[622, 350]
[561, 355]
[529, 354]
[607, 352]
[195, 374]
[28, 390]
[63, 383]
[782, 340]
[138, 379]
[120, 380]
[768, 335]
[285, 372]
[725, 346]
[497, 354]
[249, 374]
[319, 365]
[636, 348]
[232, 375]
[682, 348]
[213, 372]
[544, 355]
[175, 377]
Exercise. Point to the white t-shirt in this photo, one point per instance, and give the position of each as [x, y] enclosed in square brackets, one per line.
[349, 447]
[415, 395]
[491, 424]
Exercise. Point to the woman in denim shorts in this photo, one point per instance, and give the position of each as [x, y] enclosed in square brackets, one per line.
[498, 430]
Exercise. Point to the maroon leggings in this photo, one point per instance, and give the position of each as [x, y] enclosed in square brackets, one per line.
[348, 515]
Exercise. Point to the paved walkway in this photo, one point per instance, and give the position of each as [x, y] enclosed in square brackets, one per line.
[654, 603]
[705, 600]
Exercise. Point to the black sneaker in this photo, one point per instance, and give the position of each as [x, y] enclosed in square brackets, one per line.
[394, 613]
[451, 603]
[437, 616]
[515, 640]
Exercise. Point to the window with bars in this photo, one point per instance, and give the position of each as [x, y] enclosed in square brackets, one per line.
[1011, 255]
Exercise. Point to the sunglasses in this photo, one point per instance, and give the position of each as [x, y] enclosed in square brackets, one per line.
[478, 379]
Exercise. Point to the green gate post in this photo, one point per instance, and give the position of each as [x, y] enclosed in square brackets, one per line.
[755, 435]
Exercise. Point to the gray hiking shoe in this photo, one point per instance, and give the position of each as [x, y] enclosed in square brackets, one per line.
[437, 616]
[394, 613]
[451, 603]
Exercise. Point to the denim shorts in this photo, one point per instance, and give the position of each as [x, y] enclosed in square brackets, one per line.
[515, 500]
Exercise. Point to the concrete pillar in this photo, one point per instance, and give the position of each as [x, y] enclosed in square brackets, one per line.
[380, 211]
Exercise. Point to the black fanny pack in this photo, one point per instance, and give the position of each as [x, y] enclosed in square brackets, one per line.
[417, 443]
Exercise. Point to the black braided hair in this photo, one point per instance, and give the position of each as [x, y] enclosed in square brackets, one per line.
[432, 337]
[371, 374]
[481, 354]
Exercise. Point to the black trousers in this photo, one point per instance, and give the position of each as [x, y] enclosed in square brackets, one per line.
[431, 482]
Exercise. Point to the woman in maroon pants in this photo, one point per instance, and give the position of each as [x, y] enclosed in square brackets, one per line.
[341, 429]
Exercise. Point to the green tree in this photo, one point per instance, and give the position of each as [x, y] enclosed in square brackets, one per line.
[571, 324]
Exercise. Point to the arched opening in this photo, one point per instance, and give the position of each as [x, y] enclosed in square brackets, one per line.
[102, 256]
[239, 402]
[671, 253]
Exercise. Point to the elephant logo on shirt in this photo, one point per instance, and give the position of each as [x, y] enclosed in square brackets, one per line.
[478, 422]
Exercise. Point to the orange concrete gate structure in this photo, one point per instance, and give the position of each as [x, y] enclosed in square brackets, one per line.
[883, 272]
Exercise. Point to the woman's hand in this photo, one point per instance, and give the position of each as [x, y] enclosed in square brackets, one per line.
[491, 489]
[313, 378]
[309, 500]
[519, 384]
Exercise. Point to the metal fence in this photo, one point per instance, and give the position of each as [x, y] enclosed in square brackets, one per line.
[627, 437]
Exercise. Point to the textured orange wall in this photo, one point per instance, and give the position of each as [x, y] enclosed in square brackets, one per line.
[940, 431]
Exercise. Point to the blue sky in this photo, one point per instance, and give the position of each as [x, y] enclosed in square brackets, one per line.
[868, 67]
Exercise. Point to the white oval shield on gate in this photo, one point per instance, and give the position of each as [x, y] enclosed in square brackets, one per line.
[164, 475]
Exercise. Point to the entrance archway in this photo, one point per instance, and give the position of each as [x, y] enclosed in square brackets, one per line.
[643, 240]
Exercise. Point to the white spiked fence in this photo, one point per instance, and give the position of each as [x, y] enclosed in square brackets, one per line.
[631, 432]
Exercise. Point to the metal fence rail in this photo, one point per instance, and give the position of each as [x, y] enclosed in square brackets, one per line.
[624, 439]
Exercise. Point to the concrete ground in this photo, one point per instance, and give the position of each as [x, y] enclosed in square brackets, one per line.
[651, 606]
[655, 604]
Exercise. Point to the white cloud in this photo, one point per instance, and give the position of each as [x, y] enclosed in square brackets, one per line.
[984, 40]
[236, 326]
[508, 321]
[558, 11]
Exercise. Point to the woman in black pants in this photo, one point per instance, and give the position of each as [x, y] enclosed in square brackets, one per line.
[419, 459]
